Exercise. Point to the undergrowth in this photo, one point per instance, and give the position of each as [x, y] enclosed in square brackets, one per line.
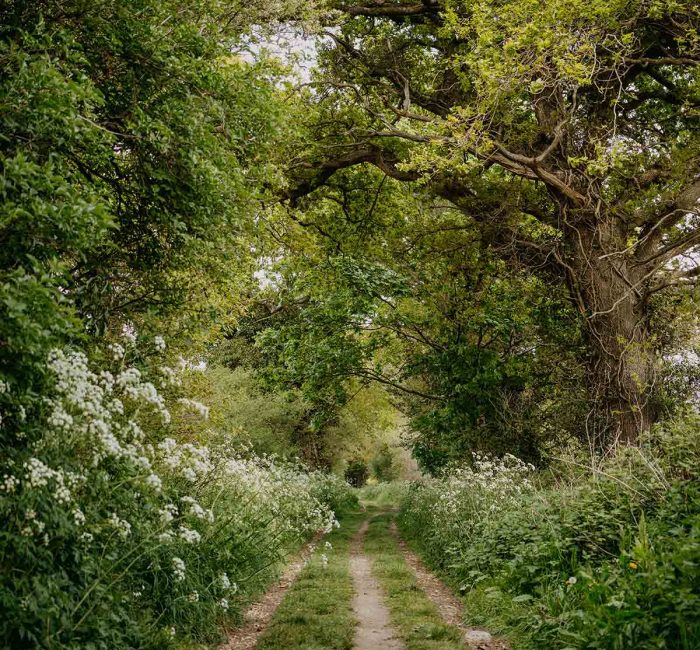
[116, 534]
[382, 495]
[608, 559]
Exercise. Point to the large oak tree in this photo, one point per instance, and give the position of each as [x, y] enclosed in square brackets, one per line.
[566, 130]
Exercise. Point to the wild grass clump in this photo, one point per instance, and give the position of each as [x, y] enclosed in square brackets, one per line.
[117, 535]
[605, 559]
[383, 495]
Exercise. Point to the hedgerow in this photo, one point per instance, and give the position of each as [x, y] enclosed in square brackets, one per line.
[609, 559]
[117, 535]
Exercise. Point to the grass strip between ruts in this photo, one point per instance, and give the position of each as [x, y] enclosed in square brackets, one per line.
[316, 613]
[413, 614]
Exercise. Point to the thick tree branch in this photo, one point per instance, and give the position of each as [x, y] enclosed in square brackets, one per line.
[427, 9]
[322, 171]
[370, 374]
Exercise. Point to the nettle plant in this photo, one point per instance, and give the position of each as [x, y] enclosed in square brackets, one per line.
[117, 535]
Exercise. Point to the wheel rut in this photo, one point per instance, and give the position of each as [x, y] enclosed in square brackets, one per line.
[374, 630]
[258, 615]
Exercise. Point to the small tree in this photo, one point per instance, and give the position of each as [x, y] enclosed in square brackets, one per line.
[383, 465]
[356, 472]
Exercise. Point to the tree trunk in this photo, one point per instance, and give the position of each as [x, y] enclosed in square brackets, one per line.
[608, 289]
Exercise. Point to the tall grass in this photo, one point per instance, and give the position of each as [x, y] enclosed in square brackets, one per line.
[116, 534]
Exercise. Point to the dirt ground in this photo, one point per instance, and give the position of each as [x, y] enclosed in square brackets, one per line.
[449, 606]
[259, 614]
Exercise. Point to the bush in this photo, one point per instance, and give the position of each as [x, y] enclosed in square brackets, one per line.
[607, 560]
[356, 473]
[115, 534]
[333, 491]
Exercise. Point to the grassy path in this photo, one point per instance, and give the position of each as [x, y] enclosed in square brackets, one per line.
[368, 592]
[258, 615]
[374, 628]
[413, 613]
[316, 613]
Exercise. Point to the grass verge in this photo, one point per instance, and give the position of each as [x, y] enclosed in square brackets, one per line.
[316, 613]
[414, 615]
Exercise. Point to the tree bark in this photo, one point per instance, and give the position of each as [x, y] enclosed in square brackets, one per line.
[609, 290]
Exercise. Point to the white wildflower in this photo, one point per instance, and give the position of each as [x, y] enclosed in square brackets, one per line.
[189, 535]
[9, 483]
[153, 481]
[178, 569]
[129, 334]
[196, 406]
[116, 350]
[122, 526]
[168, 512]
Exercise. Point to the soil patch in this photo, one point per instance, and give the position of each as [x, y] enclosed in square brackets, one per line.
[258, 615]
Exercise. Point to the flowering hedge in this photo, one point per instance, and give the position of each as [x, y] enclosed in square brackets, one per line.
[115, 534]
[606, 559]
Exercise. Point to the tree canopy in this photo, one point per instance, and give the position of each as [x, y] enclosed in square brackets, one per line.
[566, 137]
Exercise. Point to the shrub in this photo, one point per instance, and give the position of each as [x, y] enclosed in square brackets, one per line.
[383, 465]
[356, 473]
[333, 491]
[117, 535]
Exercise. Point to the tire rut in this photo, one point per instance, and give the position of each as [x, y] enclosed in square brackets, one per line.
[449, 606]
[374, 630]
[258, 615]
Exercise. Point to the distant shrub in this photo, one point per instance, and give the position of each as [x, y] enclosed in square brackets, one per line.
[383, 465]
[357, 473]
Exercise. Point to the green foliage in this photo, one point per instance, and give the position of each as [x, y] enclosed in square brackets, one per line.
[383, 465]
[244, 412]
[525, 135]
[478, 355]
[130, 150]
[603, 561]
